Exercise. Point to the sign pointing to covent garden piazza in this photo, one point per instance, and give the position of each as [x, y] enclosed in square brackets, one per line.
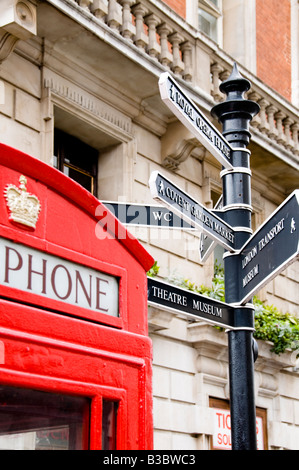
[188, 113]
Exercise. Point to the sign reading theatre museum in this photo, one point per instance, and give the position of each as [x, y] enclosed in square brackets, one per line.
[176, 299]
[33, 271]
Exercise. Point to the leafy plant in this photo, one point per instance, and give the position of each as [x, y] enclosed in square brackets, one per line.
[154, 271]
[282, 329]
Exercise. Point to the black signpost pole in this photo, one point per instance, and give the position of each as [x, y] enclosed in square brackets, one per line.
[235, 113]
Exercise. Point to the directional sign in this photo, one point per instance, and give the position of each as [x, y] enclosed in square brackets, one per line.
[146, 215]
[191, 211]
[270, 249]
[188, 113]
[178, 300]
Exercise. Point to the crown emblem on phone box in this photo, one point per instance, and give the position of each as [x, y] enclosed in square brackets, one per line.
[24, 208]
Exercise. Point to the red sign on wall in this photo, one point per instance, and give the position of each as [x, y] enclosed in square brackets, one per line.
[222, 430]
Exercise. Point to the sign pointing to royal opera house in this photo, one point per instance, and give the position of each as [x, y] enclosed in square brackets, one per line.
[186, 207]
[195, 121]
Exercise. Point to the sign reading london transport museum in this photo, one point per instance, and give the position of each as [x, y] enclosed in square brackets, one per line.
[174, 298]
[270, 249]
[33, 271]
[190, 210]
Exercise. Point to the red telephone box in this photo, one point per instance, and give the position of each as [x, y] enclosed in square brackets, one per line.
[75, 358]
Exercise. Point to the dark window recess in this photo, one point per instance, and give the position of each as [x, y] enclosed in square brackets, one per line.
[36, 420]
[76, 159]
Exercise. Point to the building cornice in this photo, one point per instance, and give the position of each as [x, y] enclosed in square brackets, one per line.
[198, 64]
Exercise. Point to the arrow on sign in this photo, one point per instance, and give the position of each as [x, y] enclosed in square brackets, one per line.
[175, 299]
[206, 245]
[146, 215]
[191, 211]
[188, 113]
[270, 249]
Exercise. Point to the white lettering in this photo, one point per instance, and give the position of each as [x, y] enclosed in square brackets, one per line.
[173, 297]
[168, 216]
[249, 276]
[196, 211]
[177, 198]
[207, 308]
[157, 215]
[249, 256]
[201, 124]
[115, 460]
[261, 244]
[224, 232]
[182, 103]
[271, 234]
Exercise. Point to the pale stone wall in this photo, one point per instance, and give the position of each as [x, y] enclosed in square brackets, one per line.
[20, 110]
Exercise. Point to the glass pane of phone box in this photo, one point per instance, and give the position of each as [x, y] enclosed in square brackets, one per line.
[37, 420]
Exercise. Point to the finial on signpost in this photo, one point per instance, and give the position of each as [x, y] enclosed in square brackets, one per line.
[236, 112]
[235, 81]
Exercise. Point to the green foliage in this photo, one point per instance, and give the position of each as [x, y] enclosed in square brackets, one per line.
[282, 329]
[216, 291]
[154, 271]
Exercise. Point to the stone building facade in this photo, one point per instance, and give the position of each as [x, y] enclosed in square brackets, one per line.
[83, 74]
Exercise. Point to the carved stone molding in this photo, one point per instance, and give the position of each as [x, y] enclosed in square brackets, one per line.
[59, 89]
[17, 21]
[7, 44]
[182, 152]
[177, 145]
